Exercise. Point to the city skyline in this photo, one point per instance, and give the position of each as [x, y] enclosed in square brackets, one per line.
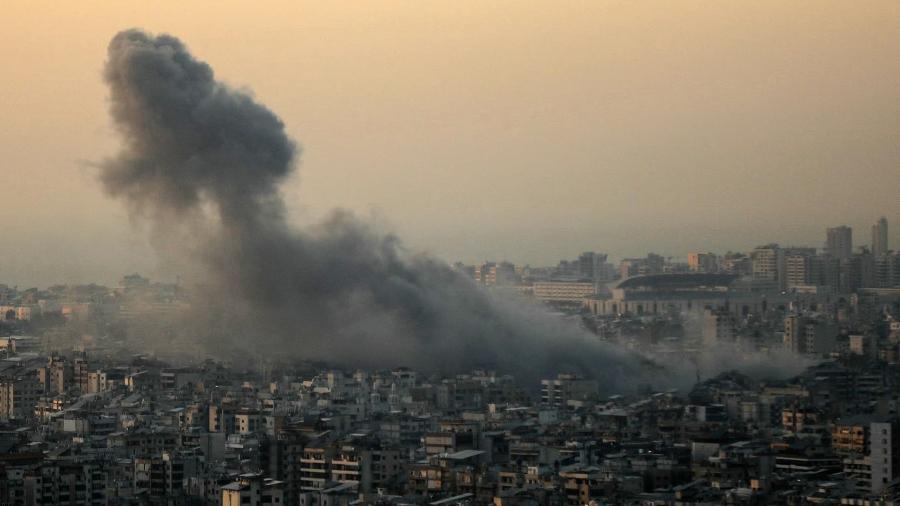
[469, 253]
[856, 246]
[472, 139]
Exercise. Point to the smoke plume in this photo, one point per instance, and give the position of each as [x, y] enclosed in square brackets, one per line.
[202, 163]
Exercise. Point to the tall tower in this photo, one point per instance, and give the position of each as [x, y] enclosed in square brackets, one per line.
[839, 242]
[880, 237]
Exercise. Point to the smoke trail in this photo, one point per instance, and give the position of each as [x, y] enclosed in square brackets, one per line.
[203, 163]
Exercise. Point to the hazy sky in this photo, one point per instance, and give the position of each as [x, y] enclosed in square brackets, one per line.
[521, 130]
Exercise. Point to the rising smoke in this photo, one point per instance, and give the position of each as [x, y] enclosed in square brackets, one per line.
[202, 163]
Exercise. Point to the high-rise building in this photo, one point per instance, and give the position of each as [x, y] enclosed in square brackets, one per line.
[81, 481]
[869, 447]
[799, 267]
[486, 273]
[703, 262]
[769, 266]
[794, 333]
[808, 335]
[492, 273]
[567, 387]
[591, 266]
[850, 276]
[828, 270]
[504, 273]
[718, 325]
[866, 268]
[887, 271]
[18, 395]
[839, 242]
[798, 270]
[880, 237]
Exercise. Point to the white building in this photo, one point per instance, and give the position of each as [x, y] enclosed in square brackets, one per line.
[573, 292]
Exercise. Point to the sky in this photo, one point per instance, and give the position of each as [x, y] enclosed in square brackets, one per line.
[528, 131]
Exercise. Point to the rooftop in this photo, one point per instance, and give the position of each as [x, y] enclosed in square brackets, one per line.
[677, 281]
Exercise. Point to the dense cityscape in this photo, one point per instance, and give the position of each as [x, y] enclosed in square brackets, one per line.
[305, 253]
[92, 413]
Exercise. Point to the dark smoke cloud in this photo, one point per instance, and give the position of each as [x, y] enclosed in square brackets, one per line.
[203, 163]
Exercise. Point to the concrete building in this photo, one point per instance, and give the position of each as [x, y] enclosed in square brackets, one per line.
[221, 419]
[315, 466]
[702, 262]
[805, 335]
[483, 273]
[248, 421]
[496, 274]
[651, 264]
[862, 345]
[683, 293]
[794, 334]
[869, 447]
[718, 325]
[880, 237]
[851, 274]
[252, 490]
[769, 267]
[67, 482]
[163, 475]
[839, 242]
[142, 442]
[564, 292]
[886, 270]
[738, 264]
[21, 312]
[800, 268]
[365, 467]
[57, 376]
[591, 266]
[567, 387]
[12, 345]
[18, 396]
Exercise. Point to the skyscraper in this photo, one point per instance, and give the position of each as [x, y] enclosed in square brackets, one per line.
[880, 237]
[839, 242]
